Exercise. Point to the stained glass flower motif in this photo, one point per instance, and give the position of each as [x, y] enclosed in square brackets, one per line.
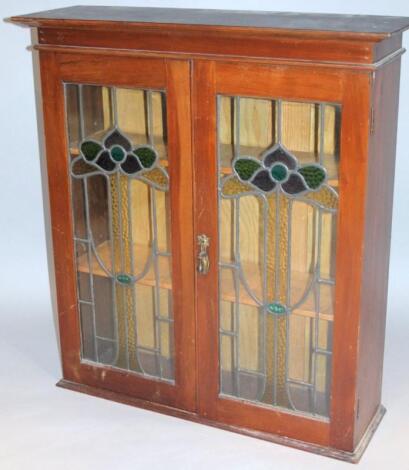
[279, 169]
[116, 153]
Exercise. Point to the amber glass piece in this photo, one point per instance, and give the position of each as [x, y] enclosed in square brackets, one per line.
[157, 176]
[326, 197]
[276, 273]
[233, 186]
[80, 167]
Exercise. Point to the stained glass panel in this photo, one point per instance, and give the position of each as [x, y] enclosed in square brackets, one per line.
[121, 215]
[278, 200]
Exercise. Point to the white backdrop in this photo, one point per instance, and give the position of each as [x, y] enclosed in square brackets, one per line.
[49, 428]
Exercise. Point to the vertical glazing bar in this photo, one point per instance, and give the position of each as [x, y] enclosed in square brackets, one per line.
[236, 221]
[317, 312]
[237, 298]
[81, 112]
[311, 319]
[264, 295]
[276, 289]
[317, 291]
[237, 126]
[91, 275]
[158, 336]
[322, 133]
[219, 224]
[288, 301]
[87, 223]
[219, 215]
[134, 360]
[112, 251]
[117, 291]
[277, 259]
[122, 264]
[117, 203]
[157, 316]
[114, 107]
[149, 116]
[279, 118]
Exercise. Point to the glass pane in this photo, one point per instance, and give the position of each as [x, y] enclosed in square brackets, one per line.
[121, 215]
[278, 199]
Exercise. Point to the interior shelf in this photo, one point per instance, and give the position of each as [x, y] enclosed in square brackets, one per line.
[139, 252]
[227, 281]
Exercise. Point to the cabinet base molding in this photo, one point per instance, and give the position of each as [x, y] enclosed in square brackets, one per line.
[352, 457]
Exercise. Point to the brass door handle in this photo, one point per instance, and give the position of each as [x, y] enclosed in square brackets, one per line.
[203, 263]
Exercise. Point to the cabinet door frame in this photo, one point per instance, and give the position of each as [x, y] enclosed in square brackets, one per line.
[173, 76]
[352, 90]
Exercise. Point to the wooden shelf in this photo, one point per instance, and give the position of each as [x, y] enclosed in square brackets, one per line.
[227, 282]
[253, 277]
[140, 252]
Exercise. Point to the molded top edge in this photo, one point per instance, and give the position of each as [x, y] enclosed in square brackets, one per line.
[366, 25]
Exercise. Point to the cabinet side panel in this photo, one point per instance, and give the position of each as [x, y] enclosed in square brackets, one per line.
[377, 244]
[60, 207]
[44, 184]
[349, 261]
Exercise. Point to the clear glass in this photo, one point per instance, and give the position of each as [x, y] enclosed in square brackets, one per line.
[277, 229]
[121, 216]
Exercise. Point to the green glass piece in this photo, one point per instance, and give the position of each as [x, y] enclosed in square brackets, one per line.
[314, 176]
[246, 168]
[279, 172]
[90, 149]
[276, 308]
[124, 278]
[146, 156]
[117, 153]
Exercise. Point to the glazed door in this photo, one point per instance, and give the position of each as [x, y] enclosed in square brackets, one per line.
[121, 203]
[269, 198]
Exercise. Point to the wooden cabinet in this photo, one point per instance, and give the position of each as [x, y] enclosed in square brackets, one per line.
[220, 190]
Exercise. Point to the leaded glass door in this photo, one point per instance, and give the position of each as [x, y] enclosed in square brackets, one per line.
[278, 200]
[129, 166]
[271, 217]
